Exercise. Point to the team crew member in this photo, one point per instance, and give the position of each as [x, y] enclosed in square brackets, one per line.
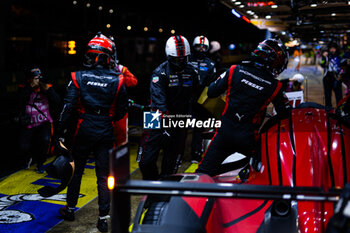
[250, 87]
[36, 99]
[206, 69]
[172, 86]
[101, 97]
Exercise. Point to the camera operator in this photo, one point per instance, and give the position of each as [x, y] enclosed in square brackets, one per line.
[35, 98]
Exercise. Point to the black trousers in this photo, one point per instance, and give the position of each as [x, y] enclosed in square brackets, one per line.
[152, 141]
[331, 84]
[84, 145]
[35, 142]
[225, 142]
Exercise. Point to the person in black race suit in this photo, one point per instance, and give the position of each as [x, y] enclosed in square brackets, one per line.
[250, 87]
[172, 86]
[101, 99]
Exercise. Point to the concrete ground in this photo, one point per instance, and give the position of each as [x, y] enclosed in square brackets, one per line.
[86, 217]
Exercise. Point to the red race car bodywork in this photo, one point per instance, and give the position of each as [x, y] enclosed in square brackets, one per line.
[310, 148]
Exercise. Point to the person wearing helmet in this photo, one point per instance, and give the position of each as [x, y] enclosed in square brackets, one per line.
[101, 98]
[206, 70]
[172, 86]
[250, 87]
[37, 99]
[295, 83]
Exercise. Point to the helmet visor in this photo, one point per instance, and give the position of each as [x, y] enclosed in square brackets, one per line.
[200, 48]
[179, 63]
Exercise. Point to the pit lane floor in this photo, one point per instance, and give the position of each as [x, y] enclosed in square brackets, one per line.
[18, 192]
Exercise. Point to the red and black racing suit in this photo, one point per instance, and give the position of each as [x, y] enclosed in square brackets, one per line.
[171, 93]
[249, 91]
[102, 99]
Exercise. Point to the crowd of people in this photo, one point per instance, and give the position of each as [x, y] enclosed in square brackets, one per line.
[93, 118]
[335, 64]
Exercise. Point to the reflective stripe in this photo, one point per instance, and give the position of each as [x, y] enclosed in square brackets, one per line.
[74, 79]
[229, 87]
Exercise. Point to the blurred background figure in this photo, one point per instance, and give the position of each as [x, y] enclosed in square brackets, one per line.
[331, 82]
[344, 74]
[295, 83]
[36, 98]
[215, 55]
[297, 58]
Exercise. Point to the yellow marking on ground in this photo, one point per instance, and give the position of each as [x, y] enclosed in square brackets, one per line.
[192, 168]
[21, 181]
[133, 154]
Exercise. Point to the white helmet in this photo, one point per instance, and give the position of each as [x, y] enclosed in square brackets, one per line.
[298, 77]
[201, 41]
[177, 50]
[177, 46]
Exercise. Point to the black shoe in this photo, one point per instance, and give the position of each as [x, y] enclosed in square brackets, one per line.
[67, 213]
[102, 224]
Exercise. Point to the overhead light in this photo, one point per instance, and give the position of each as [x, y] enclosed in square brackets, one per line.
[100, 8]
[348, 2]
[274, 6]
[237, 3]
[333, 14]
[128, 27]
[313, 5]
[283, 33]
[233, 0]
[108, 25]
[255, 16]
[75, 2]
[241, 6]
[145, 29]
[172, 31]
[268, 17]
[235, 13]
[88, 5]
[160, 30]
[322, 31]
[111, 11]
